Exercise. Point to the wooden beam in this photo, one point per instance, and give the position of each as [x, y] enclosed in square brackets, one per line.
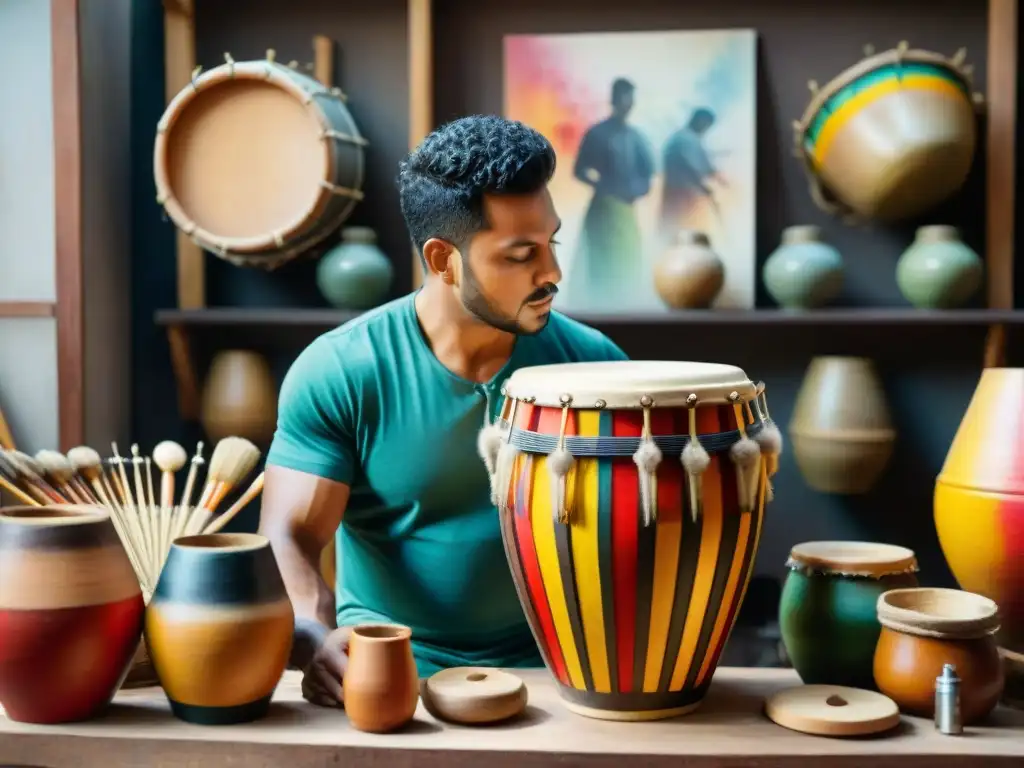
[10, 309]
[1001, 108]
[421, 89]
[67, 148]
[323, 60]
[179, 61]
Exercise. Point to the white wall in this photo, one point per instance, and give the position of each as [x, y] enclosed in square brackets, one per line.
[28, 347]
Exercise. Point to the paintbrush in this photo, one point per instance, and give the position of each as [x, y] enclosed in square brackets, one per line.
[232, 461]
[254, 490]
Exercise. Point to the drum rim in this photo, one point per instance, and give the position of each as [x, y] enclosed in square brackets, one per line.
[863, 67]
[523, 385]
[863, 558]
[262, 70]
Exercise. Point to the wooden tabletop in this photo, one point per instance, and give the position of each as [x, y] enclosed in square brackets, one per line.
[728, 731]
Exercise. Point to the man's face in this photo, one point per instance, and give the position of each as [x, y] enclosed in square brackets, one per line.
[508, 278]
[622, 103]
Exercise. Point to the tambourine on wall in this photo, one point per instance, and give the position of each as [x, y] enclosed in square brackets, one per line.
[892, 136]
[257, 162]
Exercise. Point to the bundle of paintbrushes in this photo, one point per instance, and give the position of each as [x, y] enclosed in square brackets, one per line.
[146, 519]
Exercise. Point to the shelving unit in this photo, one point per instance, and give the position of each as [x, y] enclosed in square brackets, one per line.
[428, 23]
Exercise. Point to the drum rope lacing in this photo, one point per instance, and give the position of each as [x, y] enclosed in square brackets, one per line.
[756, 435]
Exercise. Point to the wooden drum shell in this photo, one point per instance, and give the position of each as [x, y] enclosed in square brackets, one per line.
[340, 163]
[631, 619]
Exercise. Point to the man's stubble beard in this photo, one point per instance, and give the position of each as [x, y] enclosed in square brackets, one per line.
[477, 305]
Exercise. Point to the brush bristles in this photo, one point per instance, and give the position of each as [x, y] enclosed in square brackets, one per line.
[146, 525]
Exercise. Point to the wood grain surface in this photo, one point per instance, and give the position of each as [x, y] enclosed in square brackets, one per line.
[728, 731]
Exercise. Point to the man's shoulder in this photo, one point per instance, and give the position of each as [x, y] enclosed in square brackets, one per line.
[352, 350]
[568, 340]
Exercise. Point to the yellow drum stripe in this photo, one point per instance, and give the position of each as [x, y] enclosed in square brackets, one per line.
[846, 111]
[587, 569]
[710, 541]
[731, 585]
[666, 563]
[543, 525]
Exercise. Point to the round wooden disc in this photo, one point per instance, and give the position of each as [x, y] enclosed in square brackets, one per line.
[832, 710]
[473, 695]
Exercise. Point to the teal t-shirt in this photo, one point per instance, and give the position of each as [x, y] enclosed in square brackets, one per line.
[368, 404]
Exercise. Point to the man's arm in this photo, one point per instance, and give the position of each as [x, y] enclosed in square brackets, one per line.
[584, 167]
[301, 513]
[309, 472]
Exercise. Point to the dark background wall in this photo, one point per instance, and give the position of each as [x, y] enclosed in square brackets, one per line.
[929, 373]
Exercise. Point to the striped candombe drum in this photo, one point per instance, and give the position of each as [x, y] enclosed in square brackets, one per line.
[891, 136]
[257, 162]
[631, 543]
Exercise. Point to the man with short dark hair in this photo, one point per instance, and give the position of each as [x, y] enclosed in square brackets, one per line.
[378, 419]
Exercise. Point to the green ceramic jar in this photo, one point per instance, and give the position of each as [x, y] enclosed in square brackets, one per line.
[355, 274]
[804, 272]
[938, 271]
[827, 614]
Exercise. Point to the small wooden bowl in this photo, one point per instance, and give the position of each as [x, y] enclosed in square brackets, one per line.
[924, 628]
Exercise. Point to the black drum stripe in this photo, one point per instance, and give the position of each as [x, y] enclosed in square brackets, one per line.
[646, 538]
[567, 569]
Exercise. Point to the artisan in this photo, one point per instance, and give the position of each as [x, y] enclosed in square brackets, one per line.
[376, 441]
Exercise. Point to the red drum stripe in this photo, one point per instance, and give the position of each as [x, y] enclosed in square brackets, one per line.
[625, 519]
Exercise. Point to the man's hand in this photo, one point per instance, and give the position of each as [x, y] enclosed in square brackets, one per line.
[322, 676]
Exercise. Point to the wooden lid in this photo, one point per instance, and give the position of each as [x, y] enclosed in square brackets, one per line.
[852, 558]
[473, 695]
[832, 710]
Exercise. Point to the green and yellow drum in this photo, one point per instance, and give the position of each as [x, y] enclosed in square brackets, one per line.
[890, 137]
[631, 497]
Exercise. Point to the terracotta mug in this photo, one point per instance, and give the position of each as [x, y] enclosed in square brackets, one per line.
[925, 628]
[381, 685]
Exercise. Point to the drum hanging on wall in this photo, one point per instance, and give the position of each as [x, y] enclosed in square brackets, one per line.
[257, 162]
[892, 136]
[631, 497]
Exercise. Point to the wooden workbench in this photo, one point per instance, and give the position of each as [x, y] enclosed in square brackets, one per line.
[729, 731]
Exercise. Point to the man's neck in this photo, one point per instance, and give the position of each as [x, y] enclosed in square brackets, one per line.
[463, 344]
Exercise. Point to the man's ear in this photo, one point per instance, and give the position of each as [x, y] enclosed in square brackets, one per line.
[440, 257]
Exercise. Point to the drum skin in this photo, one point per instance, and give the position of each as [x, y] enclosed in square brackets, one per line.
[219, 628]
[71, 613]
[630, 619]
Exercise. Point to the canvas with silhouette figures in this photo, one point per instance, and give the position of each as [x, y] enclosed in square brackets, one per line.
[655, 133]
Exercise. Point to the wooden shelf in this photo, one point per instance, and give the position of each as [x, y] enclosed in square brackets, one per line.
[28, 309]
[180, 322]
[329, 318]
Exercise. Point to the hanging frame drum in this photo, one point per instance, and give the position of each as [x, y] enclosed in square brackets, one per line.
[890, 137]
[257, 162]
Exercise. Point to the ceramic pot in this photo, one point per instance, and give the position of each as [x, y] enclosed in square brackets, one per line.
[804, 272]
[938, 271]
[355, 274]
[71, 613]
[239, 398]
[923, 629]
[827, 612]
[979, 505]
[219, 627]
[381, 685]
[841, 430]
[689, 275]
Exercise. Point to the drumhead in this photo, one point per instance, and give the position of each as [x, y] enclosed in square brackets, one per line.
[245, 158]
[853, 558]
[622, 383]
